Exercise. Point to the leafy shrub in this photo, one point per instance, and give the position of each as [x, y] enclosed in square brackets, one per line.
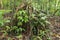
[37, 21]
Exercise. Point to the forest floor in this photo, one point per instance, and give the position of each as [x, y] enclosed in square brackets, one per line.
[55, 30]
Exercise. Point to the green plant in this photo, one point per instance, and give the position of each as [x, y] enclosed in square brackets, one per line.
[22, 16]
[1, 16]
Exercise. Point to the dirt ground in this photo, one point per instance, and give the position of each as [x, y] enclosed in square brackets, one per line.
[55, 27]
